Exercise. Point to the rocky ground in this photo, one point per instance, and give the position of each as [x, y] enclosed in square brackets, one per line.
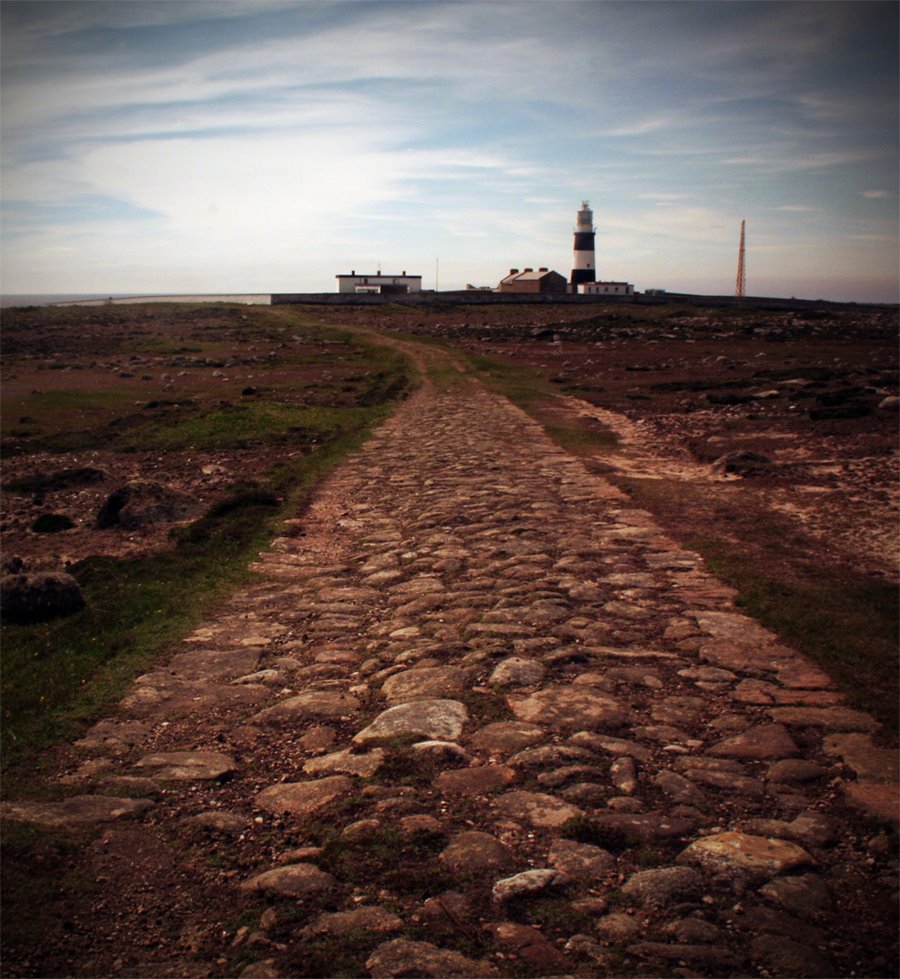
[477, 716]
[811, 393]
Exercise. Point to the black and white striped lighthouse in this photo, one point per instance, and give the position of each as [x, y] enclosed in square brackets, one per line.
[584, 268]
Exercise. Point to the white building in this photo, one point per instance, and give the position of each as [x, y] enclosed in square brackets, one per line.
[606, 289]
[379, 284]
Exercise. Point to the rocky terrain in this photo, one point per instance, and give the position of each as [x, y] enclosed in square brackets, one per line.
[477, 715]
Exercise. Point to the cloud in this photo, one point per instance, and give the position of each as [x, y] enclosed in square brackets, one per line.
[877, 195]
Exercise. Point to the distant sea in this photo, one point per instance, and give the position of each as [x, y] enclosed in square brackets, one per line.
[24, 299]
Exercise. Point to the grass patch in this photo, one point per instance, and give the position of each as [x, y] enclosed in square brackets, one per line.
[341, 956]
[61, 675]
[524, 386]
[401, 863]
[52, 523]
[584, 829]
[31, 857]
[845, 621]
[534, 394]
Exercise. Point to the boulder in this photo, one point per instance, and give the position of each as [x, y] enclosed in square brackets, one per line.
[143, 502]
[741, 853]
[433, 719]
[743, 464]
[39, 597]
[402, 957]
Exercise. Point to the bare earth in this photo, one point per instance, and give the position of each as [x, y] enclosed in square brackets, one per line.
[478, 716]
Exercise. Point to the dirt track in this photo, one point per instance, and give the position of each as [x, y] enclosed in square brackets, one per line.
[478, 716]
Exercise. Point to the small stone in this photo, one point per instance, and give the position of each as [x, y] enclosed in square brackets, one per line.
[623, 774]
[581, 860]
[39, 597]
[401, 957]
[795, 770]
[803, 894]
[527, 883]
[311, 704]
[424, 683]
[550, 754]
[365, 766]
[761, 742]
[693, 931]
[877, 801]
[441, 751]
[570, 707]
[786, 957]
[132, 784]
[188, 766]
[220, 821]
[657, 888]
[810, 828]
[77, 810]
[264, 969]
[475, 780]
[303, 881]
[361, 829]
[829, 718]
[648, 827]
[612, 746]
[475, 852]
[869, 762]
[698, 956]
[537, 808]
[679, 789]
[617, 927]
[708, 674]
[506, 737]
[318, 738]
[756, 856]
[584, 794]
[432, 719]
[517, 671]
[302, 798]
[363, 918]
[420, 823]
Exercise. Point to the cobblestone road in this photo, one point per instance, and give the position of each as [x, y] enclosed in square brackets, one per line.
[479, 716]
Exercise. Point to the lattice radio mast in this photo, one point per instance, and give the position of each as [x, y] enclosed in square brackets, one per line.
[741, 277]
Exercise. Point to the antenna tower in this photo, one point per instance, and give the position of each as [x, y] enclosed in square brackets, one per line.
[741, 278]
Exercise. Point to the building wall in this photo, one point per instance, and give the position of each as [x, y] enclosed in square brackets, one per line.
[606, 289]
[533, 283]
[391, 283]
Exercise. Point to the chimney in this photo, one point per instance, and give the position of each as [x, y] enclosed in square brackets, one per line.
[529, 270]
[513, 271]
[543, 270]
[403, 272]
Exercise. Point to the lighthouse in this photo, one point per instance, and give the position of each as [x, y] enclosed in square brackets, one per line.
[584, 268]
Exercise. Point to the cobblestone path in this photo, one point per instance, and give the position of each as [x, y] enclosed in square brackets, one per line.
[479, 716]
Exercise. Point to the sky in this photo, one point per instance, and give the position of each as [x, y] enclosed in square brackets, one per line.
[237, 146]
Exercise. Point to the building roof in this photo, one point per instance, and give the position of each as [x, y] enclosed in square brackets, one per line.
[529, 275]
[376, 275]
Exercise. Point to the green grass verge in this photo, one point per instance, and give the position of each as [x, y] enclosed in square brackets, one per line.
[844, 621]
[527, 388]
[60, 675]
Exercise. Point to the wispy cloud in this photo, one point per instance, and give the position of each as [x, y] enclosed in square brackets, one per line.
[287, 136]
